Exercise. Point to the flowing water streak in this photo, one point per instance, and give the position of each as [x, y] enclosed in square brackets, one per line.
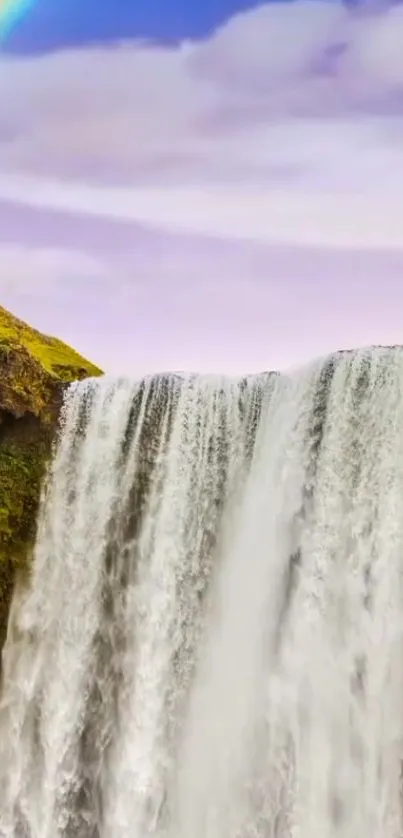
[46, 666]
[205, 455]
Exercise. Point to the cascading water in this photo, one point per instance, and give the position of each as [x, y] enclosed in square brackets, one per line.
[211, 645]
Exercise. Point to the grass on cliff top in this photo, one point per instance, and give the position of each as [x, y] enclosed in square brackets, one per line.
[56, 357]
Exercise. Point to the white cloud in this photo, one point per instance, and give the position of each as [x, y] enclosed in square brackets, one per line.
[273, 43]
[286, 125]
[140, 111]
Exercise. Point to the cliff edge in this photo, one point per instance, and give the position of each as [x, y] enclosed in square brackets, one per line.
[34, 372]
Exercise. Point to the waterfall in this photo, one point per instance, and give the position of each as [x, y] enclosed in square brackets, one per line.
[211, 642]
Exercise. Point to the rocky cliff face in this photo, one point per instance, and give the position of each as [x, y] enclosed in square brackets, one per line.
[34, 372]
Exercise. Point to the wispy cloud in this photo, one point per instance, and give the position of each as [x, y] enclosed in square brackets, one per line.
[37, 271]
[362, 219]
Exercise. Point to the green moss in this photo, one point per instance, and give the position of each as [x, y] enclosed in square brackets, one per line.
[58, 359]
[21, 471]
[34, 372]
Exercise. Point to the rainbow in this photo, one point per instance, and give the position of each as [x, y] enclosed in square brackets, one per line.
[11, 12]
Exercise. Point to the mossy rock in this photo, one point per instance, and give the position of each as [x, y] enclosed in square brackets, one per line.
[34, 373]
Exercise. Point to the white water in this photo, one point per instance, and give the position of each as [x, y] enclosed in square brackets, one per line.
[212, 646]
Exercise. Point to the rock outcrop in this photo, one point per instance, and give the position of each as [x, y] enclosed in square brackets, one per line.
[34, 372]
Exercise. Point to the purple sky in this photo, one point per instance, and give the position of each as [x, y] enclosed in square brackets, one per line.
[233, 204]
